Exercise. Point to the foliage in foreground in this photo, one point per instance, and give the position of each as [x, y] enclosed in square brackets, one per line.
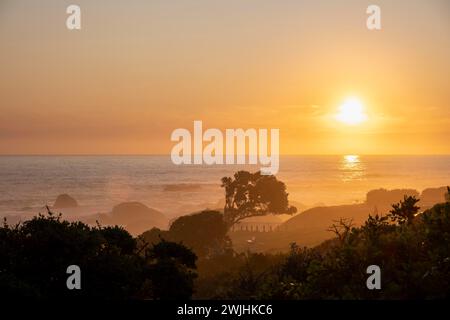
[34, 257]
[412, 250]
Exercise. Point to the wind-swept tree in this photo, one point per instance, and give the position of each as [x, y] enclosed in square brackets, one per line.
[253, 194]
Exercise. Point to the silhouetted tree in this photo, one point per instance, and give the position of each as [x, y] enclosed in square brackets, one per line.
[205, 233]
[404, 211]
[374, 227]
[341, 228]
[253, 194]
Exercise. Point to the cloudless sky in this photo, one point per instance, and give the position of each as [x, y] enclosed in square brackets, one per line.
[137, 70]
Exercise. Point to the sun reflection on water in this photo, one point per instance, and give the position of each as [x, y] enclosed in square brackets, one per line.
[352, 168]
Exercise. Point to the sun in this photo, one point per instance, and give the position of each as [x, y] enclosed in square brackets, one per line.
[351, 112]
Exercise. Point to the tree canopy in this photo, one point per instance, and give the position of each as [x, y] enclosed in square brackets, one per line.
[204, 232]
[405, 210]
[253, 194]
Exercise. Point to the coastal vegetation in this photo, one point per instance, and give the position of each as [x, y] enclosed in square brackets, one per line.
[195, 258]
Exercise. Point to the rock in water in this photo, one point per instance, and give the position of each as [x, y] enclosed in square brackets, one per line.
[137, 217]
[65, 201]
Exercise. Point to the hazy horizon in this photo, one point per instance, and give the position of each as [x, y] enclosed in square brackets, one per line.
[282, 154]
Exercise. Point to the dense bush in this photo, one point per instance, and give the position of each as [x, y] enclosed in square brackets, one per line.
[34, 257]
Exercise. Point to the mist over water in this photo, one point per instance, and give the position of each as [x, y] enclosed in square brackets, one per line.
[98, 183]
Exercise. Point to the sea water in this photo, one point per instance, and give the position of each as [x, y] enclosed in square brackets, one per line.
[28, 183]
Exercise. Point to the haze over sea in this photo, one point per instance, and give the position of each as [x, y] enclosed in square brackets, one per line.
[98, 183]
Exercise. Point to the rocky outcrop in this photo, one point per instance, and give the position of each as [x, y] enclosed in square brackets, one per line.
[431, 196]
[65, 201]
[383, 197]
[135, 217]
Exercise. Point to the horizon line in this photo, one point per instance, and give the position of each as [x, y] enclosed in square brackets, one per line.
[168, 155]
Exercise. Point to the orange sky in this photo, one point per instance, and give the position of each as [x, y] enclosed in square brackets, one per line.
[138, 70]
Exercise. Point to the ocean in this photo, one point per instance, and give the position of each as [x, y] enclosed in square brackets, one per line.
[28, 183]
